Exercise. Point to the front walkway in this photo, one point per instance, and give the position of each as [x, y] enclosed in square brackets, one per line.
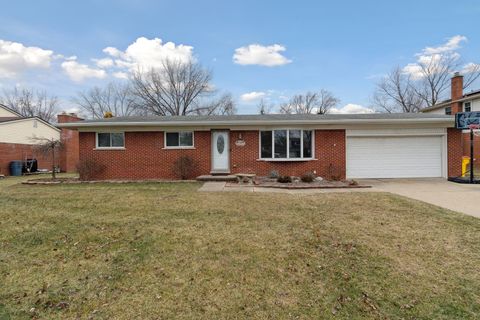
[462, 198]
[215, 186]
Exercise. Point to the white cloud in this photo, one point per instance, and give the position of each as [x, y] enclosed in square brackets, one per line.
[114, 52]
[16, 58]
[120, 75]
[256, 54]
[104, 63]
[79, 72]
[252, 96]
[352, 109]
[149, 53]
[430, 55]
[470, 67]
[452, 44]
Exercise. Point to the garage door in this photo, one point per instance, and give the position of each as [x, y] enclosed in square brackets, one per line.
[394, 157]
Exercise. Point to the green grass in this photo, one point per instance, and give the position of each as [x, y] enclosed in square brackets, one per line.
[164, 250]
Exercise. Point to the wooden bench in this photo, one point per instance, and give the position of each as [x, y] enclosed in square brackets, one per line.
[245, 178]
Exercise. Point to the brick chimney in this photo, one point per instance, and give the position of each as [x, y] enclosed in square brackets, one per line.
[69, 155]
[457, 92]
[68, 117]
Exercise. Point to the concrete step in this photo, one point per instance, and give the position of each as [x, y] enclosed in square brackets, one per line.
[217, 178]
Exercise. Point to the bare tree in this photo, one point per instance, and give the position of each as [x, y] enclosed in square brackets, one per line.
[49, 147]
[435, 73]
[311, 102]
[396, 93]
[115, 98]
[264, 108]
[31, 103]
[424, 86]
[221, 106]
[174, 89]
[471, 73]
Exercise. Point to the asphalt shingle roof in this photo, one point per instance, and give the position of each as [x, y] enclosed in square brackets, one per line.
[271, 117]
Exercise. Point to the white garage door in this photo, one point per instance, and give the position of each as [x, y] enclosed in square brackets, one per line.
[394, 157]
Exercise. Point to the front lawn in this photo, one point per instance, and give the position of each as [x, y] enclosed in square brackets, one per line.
[163, 251]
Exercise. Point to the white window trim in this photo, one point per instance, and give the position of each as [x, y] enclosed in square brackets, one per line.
[178, 147]
[464, 105]
[109, 148]
[288, 145]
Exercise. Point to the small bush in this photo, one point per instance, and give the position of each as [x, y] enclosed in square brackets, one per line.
[183, 167]
[273, 174]
[334, 172]
[308, 177]
[284, 179]
[89, 168]
[353, 182]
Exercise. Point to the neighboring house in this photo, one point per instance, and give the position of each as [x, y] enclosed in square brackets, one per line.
[460, 102]
[332, 146]
[17, 141]
[16, 138]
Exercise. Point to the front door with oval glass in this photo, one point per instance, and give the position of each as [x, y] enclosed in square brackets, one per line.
[220, 152]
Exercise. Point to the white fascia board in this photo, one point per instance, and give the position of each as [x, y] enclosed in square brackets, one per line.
[257, 123]
[29, 119]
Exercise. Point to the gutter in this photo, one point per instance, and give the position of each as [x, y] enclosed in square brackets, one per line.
[443, 104]
[448, 121]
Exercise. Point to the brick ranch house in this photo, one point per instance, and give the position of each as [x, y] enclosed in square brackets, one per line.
[332, 146]
[17, 143]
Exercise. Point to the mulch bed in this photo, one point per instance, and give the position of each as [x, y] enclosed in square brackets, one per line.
[323, 184]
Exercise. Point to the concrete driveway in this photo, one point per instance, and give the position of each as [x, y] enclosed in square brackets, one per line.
[463, 198]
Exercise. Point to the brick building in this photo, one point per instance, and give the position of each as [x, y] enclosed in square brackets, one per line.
[332, 146]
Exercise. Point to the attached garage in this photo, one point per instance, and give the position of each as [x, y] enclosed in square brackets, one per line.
[401, 153]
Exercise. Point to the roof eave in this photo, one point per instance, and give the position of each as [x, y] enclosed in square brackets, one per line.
[447, 103]
[79, 125]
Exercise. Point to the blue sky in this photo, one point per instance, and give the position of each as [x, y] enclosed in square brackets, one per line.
[283, 47]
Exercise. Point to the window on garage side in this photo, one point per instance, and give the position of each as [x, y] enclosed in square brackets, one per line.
[110, 140]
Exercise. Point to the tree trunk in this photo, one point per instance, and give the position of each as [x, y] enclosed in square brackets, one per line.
[53, 164]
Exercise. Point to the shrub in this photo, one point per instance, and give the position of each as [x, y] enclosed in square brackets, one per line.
[308, 177]
[273, 174]
[89, 168]
[183, 167]
[284, 179]
[334, 172]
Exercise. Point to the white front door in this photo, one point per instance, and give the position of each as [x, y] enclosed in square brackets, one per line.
[220, 152]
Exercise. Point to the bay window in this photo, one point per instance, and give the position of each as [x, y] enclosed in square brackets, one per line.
[286, 144]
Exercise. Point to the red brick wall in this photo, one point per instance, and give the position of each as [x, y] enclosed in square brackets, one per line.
[455, 152]
[69, 155]
[10, 152]
[456, 88]
[329, 152]
[145, 158]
